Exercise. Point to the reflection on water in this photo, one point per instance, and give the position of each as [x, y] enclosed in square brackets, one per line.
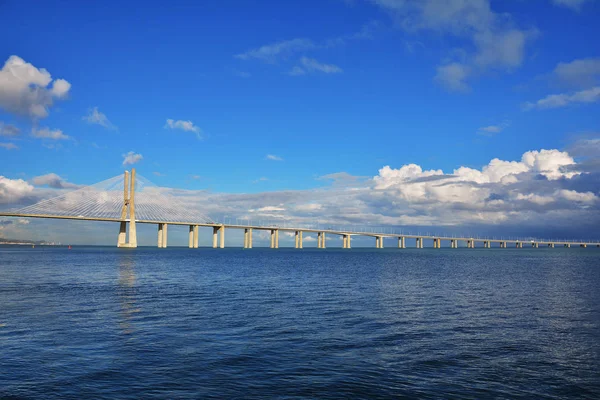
[126, 292]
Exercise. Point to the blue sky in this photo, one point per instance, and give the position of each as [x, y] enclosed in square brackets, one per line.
[325, 87]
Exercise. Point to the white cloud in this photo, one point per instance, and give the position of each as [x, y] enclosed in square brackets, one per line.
[273, 157]
[13, 190]
[96, 117]
[131, 158]
[572, 4]
[591, 95]
[453, 76]
[283, 49]
[9, 146]
[187, 126]
[583, 73]
[496, 44]
[47, 133]
[27, 90]
[54, 181]
[8, 130]
[312, 65]
[491, 130]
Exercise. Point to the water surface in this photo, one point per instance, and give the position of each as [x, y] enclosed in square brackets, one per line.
[179, 323]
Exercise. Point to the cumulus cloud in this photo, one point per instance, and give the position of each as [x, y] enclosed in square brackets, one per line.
[187, 126]
[98, 118]
[9, 146]
[13, 190]
[497, 44]
[309, 65]
[27, 90]
[54, 181]
[565, 99]
[8, 130]
[131, 158]
[47, 133]
[273, 157]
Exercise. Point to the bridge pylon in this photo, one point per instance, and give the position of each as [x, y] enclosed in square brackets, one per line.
[128, 204]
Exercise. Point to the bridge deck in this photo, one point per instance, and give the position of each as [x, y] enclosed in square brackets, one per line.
[313, 230]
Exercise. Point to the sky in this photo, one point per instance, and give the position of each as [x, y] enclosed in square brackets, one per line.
[448, 116]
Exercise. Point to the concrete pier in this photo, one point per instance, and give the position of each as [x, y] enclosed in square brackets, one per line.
[298, 239]
[160, 236]
[248, 238]
[196, 227]
[436, 243]
[215, 236]
[379, 242]
[346, 241]
[401, 242]
[274, 238]
[164, 235]
[301, 239]
[191, 237]
[567, 244]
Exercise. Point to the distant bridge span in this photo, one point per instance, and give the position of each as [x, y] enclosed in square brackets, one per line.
[127, 217]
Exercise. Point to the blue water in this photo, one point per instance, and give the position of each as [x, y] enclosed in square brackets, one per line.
[361, 323]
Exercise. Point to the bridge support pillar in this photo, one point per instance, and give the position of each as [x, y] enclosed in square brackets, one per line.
[160, 236]
[551, 245]
[348, 241]
[122, 241]
[401, 242]
[195, 236]
[583, 245]
[436, 243]
[321, 240]
[297, 239]
[222, 238]
[567, 244]
[300, 240]
[273, 238]
[215, 236]
[248, 238]
[164, 235]
[379, 242]
[191, 237]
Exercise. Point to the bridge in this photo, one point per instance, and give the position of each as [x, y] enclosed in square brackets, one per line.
[114, 200]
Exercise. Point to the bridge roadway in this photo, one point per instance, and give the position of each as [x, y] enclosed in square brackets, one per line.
[219, 229]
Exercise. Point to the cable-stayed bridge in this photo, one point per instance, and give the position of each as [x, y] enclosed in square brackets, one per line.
[129, 200]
